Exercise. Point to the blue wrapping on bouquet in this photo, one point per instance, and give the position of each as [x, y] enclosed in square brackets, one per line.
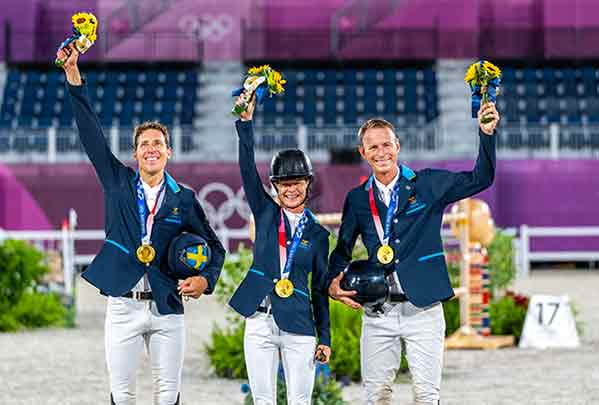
[477, 94]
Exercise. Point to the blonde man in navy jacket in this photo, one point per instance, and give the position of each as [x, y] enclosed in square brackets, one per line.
[398, 214]
[285, 311]
[144, 211]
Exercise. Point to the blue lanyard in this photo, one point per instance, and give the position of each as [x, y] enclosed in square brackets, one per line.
[383, 234]
[391, 210]
[297, 237]
[142, 209]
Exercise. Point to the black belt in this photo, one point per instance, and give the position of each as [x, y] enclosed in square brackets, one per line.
[139, 295]
[264, 310]
[397, 297]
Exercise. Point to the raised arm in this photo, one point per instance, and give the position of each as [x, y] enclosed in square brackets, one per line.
[460, 185]
[255, 194]
[90, 132]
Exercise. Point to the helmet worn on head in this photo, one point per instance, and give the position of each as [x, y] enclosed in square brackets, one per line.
[188, 255]
[290, 164]
[368, 279]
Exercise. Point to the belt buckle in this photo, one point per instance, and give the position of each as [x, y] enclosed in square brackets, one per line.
[137, 295]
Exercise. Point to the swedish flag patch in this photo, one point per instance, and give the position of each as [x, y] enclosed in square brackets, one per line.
[196, 256]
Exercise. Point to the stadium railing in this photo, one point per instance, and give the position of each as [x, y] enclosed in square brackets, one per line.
[429, 141]
[526, 257]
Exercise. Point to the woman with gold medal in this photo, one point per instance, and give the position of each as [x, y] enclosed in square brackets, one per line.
[283, 295]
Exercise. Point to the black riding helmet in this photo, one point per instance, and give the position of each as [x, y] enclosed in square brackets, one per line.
[368, 279]
[290, 164]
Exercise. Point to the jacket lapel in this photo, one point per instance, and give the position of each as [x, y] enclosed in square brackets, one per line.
[133, 195]
[380, 204]
[170, 204]
[406, 188]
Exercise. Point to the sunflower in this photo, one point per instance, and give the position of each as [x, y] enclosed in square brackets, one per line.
[260, 70]
[481, 73]
[86, 24]
[275, 82]
[471, 73]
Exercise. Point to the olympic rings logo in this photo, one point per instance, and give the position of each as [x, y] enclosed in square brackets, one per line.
[233, 202]
[207, 27]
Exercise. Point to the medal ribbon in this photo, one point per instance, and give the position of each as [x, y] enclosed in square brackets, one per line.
[146, 221]
[383, 233]
[286, 262]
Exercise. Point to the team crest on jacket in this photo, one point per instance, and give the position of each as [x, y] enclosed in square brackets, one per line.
[305, 244]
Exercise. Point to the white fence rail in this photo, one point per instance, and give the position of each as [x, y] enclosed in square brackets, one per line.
[64, 241]
[526, 256]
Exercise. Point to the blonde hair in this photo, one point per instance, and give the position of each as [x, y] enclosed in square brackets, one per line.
[375, 123]
[139, 129]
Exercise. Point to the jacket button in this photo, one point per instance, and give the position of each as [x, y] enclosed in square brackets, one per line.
[275, 279]
[397, 241]
[289, 242]
[395, 221]
[396, 261]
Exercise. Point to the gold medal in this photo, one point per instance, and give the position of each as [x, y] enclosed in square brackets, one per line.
[385, 254]
[284, 288]
[145, 253]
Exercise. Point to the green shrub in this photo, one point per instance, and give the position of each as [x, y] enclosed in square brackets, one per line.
[453, 269]
[39, 310]
[346, 327]
[502, 269]
[451, 310]
[507, 315]
[226, 351]
[326, 392]
[21, 269]
[8, 323]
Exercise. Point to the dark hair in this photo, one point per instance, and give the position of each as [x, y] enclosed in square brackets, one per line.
[375, 123]
[139, 129]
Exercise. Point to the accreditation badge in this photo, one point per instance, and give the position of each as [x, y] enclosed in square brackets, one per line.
[385, 254]
[284, 288]
[145, 254]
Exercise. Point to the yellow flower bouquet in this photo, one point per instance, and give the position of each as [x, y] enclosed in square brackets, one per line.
[85, 26]
[262, 81]
[484, 79]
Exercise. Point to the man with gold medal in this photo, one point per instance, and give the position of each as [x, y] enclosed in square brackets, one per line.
[144, 211]
[283, 296]
[408, 245]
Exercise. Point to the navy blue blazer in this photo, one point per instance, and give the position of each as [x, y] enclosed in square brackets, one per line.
[115, 270]
[415, 230]
[295, 313]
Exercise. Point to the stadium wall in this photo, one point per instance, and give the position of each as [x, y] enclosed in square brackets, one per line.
[191, 30]
[536, 193]
[18, 209]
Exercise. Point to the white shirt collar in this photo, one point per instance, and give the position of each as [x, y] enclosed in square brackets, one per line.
[293, 215]
[152, 190]
[389, 187]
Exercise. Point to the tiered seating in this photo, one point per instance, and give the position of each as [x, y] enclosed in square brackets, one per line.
[544, 95]
[123, 96]
[321, 98]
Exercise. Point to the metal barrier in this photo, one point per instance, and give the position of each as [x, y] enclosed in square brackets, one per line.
[419, 141]
[64, 241]
[61, 240]
[526, 256]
